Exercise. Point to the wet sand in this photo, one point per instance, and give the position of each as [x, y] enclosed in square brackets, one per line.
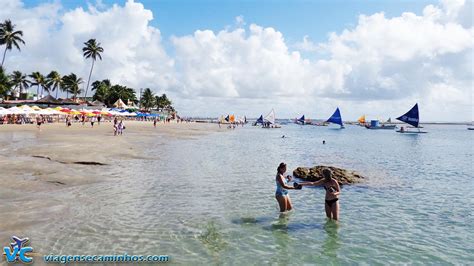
[37, 166]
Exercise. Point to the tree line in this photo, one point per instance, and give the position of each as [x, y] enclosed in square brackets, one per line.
[17, 83]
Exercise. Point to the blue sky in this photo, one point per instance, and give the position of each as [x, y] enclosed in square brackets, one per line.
[379, 64]
[294, 19]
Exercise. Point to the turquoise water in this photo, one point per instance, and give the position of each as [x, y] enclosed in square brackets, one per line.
[210, 200]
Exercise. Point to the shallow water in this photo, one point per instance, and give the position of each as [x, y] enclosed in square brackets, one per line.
[211, 200]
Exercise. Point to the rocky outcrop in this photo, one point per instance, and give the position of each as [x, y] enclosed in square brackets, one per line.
[343, 176]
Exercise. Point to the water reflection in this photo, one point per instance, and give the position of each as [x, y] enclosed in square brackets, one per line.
[332, 243]
[282, 239]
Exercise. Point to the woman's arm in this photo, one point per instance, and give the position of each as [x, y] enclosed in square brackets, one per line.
[282, 184]
[316, 183]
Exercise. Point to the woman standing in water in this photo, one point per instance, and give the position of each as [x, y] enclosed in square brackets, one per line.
[333, 190]
[282, 187]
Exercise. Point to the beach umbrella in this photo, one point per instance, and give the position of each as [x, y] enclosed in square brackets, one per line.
[97, 112]
[34, 107]
[3, 111]
[16, 111]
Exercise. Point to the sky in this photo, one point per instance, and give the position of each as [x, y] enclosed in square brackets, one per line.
[212, 58]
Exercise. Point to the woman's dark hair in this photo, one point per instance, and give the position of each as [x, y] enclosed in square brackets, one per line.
[281, 166]
[327, 173]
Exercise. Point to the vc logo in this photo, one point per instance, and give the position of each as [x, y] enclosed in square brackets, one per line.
[18, 250]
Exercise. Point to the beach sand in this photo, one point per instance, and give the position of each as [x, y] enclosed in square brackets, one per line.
[38, 165]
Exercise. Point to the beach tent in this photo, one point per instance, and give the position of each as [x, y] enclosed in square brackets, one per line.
[120, 104]
[132, 105]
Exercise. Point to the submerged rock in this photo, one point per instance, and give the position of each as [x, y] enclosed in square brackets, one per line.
[343, 176]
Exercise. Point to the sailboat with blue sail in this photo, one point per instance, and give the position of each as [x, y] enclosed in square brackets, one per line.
[301, 121]
[259, 121]
[336, 118]
[412, 118]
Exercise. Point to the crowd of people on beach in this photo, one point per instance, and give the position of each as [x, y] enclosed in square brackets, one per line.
[69, 120]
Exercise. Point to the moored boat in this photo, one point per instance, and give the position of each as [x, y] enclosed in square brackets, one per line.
[412, 118]
[269, 120]
[375, 124]
[301, 121]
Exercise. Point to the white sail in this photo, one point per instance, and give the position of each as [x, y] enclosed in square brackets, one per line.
[270, 117]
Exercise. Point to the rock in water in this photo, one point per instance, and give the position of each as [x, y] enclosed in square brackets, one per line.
[343, 176]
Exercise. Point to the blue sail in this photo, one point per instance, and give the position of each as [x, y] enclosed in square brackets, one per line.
[336, 118]
[412, 117]
[259, 120]
[301, 120]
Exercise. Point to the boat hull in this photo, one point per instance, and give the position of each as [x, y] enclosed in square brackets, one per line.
[411, 132]
[391, 127]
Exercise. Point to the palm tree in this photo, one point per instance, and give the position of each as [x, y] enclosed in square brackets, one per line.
[38, 80]
[92, 50]
[102, 90]
[148, 99]
[71, 83]
[9, 37]
[54, 81]
[121, 92]
[163, 102]
[5, 83]
[20, 81]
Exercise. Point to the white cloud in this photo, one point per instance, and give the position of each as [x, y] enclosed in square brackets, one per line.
[383, 64]
[307, 45]
[54, 38]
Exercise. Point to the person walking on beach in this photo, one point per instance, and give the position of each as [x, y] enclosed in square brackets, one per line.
[281, 193]
[83, 119]
[39, 121]
[93, 121]
[68, 121]
[99, 117]
[154, 122]
[120, 127]
[333, 190]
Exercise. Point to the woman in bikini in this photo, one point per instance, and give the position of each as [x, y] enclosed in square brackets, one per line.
[333, 190]
[282, 187]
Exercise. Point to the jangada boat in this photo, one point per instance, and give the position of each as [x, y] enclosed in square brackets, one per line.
[259, 121]
[269, 120]
[412, 118]
[336, 118]
[301, 121]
